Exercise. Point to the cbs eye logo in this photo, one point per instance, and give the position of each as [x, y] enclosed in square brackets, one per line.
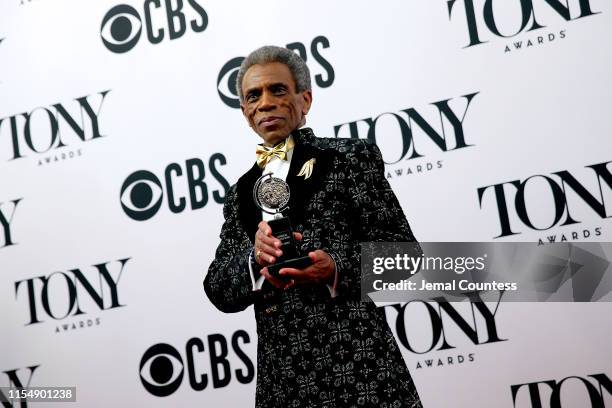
[161, 370]
[226, 87]
[121, 28]
[226, 81]
[141, 195]
[122, 25]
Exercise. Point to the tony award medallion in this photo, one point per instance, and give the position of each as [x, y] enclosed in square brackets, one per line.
[271, 195]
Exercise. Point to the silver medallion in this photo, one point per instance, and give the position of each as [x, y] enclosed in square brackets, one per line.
[271, 193]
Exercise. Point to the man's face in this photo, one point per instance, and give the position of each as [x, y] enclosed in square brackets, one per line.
[271, 104]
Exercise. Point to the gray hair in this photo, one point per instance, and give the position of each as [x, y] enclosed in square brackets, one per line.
[271, 53]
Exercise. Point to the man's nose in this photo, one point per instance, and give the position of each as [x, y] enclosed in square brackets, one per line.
[267, 101]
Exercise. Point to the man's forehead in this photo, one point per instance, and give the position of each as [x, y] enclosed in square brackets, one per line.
[272, 73]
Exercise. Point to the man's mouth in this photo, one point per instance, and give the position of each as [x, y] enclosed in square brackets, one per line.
[270, 121]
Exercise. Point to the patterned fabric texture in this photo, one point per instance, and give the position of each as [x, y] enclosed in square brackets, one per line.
[314, 350]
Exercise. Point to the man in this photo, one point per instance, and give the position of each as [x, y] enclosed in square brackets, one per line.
[318, 345]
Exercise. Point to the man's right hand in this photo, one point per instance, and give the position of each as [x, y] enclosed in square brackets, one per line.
[267, 247]
[267, 250]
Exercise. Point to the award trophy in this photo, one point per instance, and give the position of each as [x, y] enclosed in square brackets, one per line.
[271, 195]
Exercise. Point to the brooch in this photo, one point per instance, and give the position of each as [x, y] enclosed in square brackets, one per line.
[306, 170]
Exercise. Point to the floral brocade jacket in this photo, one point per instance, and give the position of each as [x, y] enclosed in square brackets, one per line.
[315, 350]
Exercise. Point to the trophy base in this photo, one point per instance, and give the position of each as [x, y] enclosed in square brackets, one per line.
[297, 263]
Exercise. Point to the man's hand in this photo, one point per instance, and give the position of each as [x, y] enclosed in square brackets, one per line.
[267, 250]
[267, 247]
[321, 271]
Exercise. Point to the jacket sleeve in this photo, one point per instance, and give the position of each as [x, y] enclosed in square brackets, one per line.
[228, 284]
[377, 213]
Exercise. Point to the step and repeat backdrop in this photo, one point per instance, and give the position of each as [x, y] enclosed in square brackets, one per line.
[120, 134]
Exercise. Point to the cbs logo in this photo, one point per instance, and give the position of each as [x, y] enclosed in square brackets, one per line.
[226, 80]
[162, 367]
[122, 25]
[142, 192]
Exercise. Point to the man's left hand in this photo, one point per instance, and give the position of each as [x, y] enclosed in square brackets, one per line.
[321, 271]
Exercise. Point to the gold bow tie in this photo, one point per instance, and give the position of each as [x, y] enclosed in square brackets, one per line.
[265, 153]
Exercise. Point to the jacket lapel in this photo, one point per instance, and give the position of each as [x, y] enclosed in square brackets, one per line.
[250, 215]
[303, 188]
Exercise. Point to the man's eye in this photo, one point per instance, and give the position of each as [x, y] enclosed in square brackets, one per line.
[251, 97]
[279, 91]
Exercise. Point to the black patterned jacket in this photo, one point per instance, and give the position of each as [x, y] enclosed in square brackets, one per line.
[314, 350]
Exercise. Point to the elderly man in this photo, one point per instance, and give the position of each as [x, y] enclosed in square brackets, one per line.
[318, 345]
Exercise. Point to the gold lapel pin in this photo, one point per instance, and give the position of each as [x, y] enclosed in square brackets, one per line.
[306, 170]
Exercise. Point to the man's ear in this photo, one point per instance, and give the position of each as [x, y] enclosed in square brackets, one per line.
[307, 98]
